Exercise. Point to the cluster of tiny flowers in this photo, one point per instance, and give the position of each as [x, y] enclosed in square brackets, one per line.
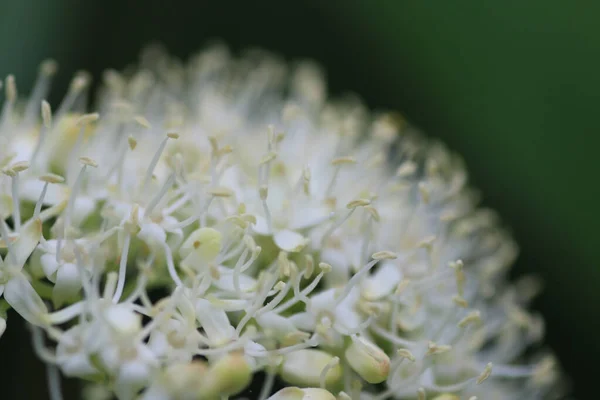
[221, 223]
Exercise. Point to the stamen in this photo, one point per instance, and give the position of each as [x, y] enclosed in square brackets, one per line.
[53, 377]
[83, 123]
[357, 277]
[13, 172]
[11, 98]
[263, 192]
[306, 291]
[393, 338]
[337, 163]
[66, 314]
[269, 280]
[236, 271]
[122, 269]
[171, 266]
[47, 179]
[434, 348]
[283, 288]
[155, 159]
[156, 199]
[78, 85]
[267, 387]
[110, 285]
[38, 345]
[40, 90]
[75, 191]
[487, 371]
[46, 124]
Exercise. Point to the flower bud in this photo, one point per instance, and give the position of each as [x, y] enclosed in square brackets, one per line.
[368, 360]
[304, 368]
[202, 245]
[226, 377]
[184, 380]
[295, 393]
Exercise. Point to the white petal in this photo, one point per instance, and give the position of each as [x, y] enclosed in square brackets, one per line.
[50, 266]
[289, 241]
[77, 365]
[382, 282]
[339, 261]
[29, 237]
[132, 377]
[323, 301]
[83, 207]
[23, 298]
[261, 226]
[225, 281]
[68, 283]
[55, 193]
[122, 319]
[153, 235]
[304, 320]
[279, 326]
[307, 217]
[159, 344]
[215, 322]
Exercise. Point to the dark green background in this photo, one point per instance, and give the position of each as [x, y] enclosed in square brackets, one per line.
[513, 87]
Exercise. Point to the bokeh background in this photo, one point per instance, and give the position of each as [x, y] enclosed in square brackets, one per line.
[513, 86]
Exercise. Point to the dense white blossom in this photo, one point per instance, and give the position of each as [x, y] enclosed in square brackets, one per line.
[222, 218]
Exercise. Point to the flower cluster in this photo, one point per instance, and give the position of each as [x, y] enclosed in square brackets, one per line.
[222, 219]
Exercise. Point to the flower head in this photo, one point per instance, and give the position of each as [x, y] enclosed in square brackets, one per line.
[308, 239]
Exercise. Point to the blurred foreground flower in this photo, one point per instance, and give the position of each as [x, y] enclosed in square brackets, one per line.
[332, 249]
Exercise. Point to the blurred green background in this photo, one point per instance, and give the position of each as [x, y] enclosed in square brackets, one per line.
[513, 86]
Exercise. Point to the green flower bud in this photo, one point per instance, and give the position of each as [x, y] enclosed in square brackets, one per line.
[304, 368]
[203, 243]
[294, 393]
[226, 377]
[368, 360]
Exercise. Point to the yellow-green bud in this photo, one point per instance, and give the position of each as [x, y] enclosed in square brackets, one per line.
[185, 380]
[294, 393]
[304, 368]
[368, 360]
[202, 245]
[226, 377]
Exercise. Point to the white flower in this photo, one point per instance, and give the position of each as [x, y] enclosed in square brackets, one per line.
[288, 235]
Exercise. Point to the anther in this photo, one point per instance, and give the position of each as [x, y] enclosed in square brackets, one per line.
[487, 371]
[405, 353]
[471, 318]
[434, 348]
[384, 255]
[220, 192]
[142, 121]
[88, 161]
[358, 203]
[343, 160]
